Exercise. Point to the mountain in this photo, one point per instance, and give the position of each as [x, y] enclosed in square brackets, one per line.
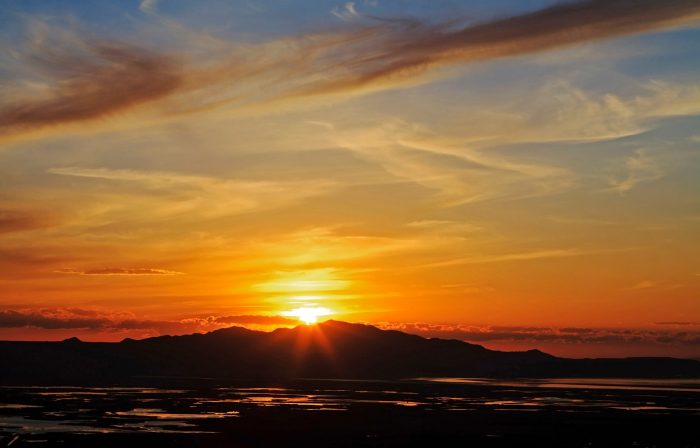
[327, 350]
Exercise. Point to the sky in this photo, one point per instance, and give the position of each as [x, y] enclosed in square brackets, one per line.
[517, 174]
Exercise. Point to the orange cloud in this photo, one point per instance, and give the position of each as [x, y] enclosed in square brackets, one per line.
[19, 220]
[119, 271]
[101, 321]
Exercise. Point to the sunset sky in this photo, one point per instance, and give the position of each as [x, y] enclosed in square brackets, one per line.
[518, 174]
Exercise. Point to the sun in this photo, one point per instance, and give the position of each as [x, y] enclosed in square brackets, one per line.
[308, 315]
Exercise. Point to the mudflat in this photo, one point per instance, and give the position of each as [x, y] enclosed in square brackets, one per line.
[168, 412]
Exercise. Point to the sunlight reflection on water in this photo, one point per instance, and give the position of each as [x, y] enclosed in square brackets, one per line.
[37, 410]
[685, 385]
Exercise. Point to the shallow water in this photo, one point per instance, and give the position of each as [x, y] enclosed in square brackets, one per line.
[677, 385]
[85, 410]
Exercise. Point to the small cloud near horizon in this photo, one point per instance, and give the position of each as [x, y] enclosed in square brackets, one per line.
[104, 321]
[119, 271]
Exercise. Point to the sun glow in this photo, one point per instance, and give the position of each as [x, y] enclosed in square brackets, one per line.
[304, 281]
[308, 315]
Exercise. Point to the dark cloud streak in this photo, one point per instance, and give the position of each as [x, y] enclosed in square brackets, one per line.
[12, 220]
[17, 319]
[85, 319]
[571, 335]
[402, 49]
[111, 78]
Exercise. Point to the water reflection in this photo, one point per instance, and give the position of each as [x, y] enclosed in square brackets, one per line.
[161, 414]
[685, 385]
[36, 410]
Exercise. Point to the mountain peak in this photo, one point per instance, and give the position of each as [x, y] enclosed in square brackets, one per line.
[72, 340]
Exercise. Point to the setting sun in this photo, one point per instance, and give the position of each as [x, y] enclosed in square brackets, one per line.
[308, 315]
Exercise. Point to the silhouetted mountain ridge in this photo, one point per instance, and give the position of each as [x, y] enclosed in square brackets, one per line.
[331, 349]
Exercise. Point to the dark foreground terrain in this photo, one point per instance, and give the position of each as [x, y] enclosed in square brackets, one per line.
[195, 391]
[333, 413]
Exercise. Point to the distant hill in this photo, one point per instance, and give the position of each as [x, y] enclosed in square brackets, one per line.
[328, 350]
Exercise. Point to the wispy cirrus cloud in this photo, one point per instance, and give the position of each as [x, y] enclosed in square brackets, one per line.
[641, 167]
[187, 193]
[459, 173]
[410, 47]
[524, 256]
[92, 80]
[119, 271]
[319, 245]
[444, 226]
[467, 164]
[560, 110]
[148, 6]
[347, 13]
[88, 78]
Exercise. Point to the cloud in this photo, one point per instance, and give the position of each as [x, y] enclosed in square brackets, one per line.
[256, 319]
[646, 284]
[654, 285]
[15, 319]
[104, 321]
[582, 221]
[458, 172]
[307, 281]
[563, 335]
[148, 6]
[678, 323]
[85, 78]
[33, 258]
[405, 48]
[320, 245]
[94, 80]
[347, 13]
[467, 288]
[444, 226]
[523, 256]
[205, 196]
[556, 111]
[12, 220]
[640, 168]
[119, 271]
